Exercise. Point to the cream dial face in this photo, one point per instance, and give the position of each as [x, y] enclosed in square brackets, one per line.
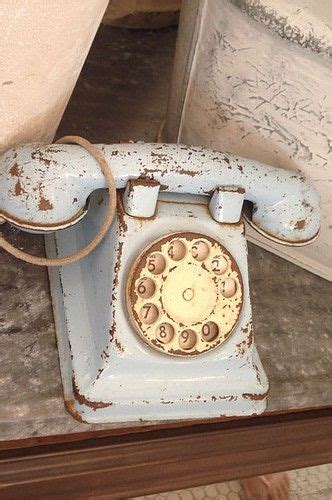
[184, 294]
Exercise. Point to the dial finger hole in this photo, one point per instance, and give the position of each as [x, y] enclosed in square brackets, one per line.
[156, 263]
[165, 333]
[146, 288]
[228, 287]
[149, 314]
[219, 265]
[187, 339]
[200, 250]
[176, 250]
[210, 331]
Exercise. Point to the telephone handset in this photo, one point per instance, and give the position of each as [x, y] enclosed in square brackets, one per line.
[45, 188]
[155, 323]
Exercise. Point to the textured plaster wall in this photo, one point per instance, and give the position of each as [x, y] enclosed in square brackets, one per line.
[43, 45]
[254, 93]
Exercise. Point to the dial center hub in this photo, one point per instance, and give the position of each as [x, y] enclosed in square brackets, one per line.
[189, 294]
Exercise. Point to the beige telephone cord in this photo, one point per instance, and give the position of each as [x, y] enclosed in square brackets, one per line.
[110, 184]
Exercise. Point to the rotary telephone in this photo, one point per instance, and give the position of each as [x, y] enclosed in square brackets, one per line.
[152, 312]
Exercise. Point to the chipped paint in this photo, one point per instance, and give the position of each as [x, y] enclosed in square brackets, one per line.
[278, 196]
[15, 170]
[123, 227]
[84, 401]
[300, 224]
[255, 397]
[70, 406]
[140, 197]
[44, 204]
[145, 394]
[19, 190]
[217, 263]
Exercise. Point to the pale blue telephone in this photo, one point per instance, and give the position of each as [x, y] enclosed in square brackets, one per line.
[154, 322]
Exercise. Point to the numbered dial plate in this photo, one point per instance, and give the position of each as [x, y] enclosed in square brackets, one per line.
[184, 294]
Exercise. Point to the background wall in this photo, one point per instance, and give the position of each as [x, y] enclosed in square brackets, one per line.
[43, 46]
[256, 81]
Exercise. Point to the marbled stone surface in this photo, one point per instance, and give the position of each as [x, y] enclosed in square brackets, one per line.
[121, 94]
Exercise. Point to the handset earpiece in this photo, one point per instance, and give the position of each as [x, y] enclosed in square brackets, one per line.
[291, 217]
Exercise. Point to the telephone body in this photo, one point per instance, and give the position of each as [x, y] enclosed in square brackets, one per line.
[156, 322]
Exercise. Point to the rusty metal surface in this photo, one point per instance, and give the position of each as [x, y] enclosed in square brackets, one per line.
[109, 373]
[55, 181]
[292, 333]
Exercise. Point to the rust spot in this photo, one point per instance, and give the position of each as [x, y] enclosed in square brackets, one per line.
[54, 149]
[257, 374]
[250, 338]
[121, 216]
[142, 181]
[300, 224]
[112, 331]
[246, 342]
[254, 397]
[104, 354]
[117, 265]
[305, 204]
[16, 170]
[159, 157]
[18, 190]
[84, 401]
[191, 173]
[146, 171]
[44, 204]
[75, 200]
[38, 155]
[74, 413]
[118, 345]
[233, 189]
[115, 286]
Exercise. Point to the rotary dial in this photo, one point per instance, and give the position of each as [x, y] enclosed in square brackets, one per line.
[184, 294]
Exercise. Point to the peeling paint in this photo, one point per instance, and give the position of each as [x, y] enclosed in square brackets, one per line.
[84, 401]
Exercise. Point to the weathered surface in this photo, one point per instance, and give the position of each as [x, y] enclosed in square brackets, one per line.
[292, 307]
[250, 91]
[43, 47]
[304, 22]
[49, 190]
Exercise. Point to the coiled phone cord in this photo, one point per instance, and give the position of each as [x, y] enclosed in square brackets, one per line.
[110, 184]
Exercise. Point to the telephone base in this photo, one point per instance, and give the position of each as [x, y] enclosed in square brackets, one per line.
[109, 373]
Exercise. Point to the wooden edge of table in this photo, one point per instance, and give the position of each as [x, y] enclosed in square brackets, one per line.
[159, 458]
